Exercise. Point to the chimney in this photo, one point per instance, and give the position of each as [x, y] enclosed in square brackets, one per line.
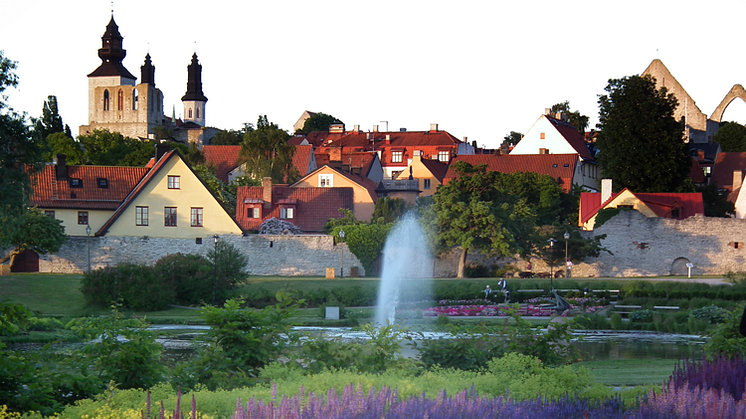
[356, 128]
[367, 136]
[61, 167]
[388, 138]
[547, 112]
[375, 128]
[737, 179]
[335, 154]
[605, 190]
[504, 148]
[337, 128]
[701, 154]
[267, 192]
[433, 127]
[160, 150]
[543, 151]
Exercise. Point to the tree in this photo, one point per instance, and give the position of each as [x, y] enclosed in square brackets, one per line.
[231, 137]
[470, 212]
[716, 203]
[267, 153]
[105, 148]
[640, 143]
[731, 136]
[389, 209]
[20, 152]
[224, 194]
[573, 118]
[318, 122]
[50, 121]
[512, 139]
[36, 232]
[61, 143]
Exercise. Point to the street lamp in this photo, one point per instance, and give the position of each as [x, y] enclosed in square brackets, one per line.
[341, 254]
[88, 242]
[567, 238]
[215, 262]
[551, 242]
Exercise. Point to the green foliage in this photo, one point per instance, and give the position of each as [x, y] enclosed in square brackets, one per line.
[231, 137]
[731, 136]
[512, 139]
[365, 241]
[13, 318]
[711, 314]
[20, 153]
[389, 210]
[105, 148]
[134, 286]
[726, 339]
[267, 153]
[592, 322]
[736, 278]
[124, 351]
[715, 202]
[190, 276]
[616, 321]
[640, 143]
[576, 119]
[318, 122]
[224, 193]
[39, 233]
[606, 214]
[641, 316]
[61, 143]
[231, 267]
[50, 121]
[348, 218]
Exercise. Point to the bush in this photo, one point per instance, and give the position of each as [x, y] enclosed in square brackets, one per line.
[711, 314]
[641, 316]
[191, 276]
[726, 340]
[616, 321]
[477, 270]
[134, 286]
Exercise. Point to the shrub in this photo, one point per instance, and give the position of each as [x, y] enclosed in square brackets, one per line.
[191, 276]
[477, 270]
[44, 324]
[134, 286]
[726, 340]
[711, 314]
[616, 321]
[641, 316]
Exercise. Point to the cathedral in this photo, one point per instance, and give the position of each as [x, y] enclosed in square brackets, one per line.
[117, 103]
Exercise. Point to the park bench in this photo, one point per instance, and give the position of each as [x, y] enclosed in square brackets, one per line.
[671, 308]
[625, 309]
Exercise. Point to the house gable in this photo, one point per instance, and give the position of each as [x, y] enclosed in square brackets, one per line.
[364, 190]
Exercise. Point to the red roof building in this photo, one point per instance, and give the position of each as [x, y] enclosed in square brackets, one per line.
[729, 169]
[223, 157]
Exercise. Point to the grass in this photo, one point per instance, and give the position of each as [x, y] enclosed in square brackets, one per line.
[630, 372]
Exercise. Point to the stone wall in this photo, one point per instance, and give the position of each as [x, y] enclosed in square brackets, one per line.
[307, 255]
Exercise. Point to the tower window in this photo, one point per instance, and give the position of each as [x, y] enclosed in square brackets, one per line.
[134, 99]
[190, 113]
[120, 100]
[106, 100]
[197, 111]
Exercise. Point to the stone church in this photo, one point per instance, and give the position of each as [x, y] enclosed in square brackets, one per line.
[118, 103]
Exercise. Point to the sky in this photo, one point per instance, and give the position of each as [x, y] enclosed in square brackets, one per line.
[479, 69]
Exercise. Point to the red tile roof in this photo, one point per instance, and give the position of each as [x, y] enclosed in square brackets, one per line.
[696, 172]
[660, 203]
[302, 159]
[223, 157]
[313, 206]
[559, 166]
[49, 192]
[317, 138]
[396, 139]
[572, 136]
[725, 165]
[437, 168]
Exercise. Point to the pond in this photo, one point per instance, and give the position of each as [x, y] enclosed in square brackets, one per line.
[606, 345]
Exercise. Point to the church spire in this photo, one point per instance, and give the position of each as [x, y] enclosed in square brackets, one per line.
[147, 72]
[112, 54]
[194, 82]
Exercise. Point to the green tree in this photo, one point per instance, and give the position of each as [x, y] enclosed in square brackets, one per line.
[640, 143]
[50, 121]
[221, 191]
[574, 118]
[36, 232]
[318, 122]
[715, 202]
[20, 153]
[389, 209]
[267, 153]
[512, 139]
[731, 136]
[61, 143]
[470, 212]
[105, 148]
[231, 136]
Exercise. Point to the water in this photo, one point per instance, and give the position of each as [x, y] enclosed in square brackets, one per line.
[406, 256]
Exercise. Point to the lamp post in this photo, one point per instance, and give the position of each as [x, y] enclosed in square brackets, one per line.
[567, 239]
[215, 262]
[341, 254]
[88, 242]
[551, 242]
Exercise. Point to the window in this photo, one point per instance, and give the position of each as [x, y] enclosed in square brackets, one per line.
[287, 213]
[170, 216]
[173, 182]
[102, 183]
[198, 240]
[196, 110]
[83, 217]
[325, 181]
[397, 156]
[120, 100]
[426, 183]
[675, 213]
[197, 217]
[543, 136]
[395, 173]
[190, 113]
[106, 100]
[134, 99]
[76, 183]
[49, 213]
[444, 156]
[253, 212]
[141, 216]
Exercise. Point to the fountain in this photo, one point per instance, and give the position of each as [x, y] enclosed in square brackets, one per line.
[406, 260]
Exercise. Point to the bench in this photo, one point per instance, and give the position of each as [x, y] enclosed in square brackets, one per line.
[624, 309]
[672, 308]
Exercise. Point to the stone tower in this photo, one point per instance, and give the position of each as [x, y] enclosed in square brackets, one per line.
[194, 100]
[115, 102]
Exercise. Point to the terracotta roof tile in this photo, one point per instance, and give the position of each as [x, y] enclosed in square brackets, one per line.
[572, 136]
[437, 168]
[302, 158]
[313, 206]
[725, 165]
[223, 157]
[116, 183]
[559, 166]
[696, 172]
[661, 204]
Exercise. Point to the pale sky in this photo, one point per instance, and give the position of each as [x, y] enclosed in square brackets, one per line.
[479, 69]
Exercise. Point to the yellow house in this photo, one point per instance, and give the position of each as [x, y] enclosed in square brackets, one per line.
[364, 190]
[167, 200]
[429, 174]
[171, 201]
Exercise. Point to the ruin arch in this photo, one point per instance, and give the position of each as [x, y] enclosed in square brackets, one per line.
[737, 91]
[678, 267]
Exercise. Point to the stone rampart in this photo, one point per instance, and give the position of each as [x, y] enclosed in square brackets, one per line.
[307, 255]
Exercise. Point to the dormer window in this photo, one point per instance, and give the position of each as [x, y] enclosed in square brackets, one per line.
[76, 183]
[254, 212]
[397, 156]
[287, 213]
[102, 182]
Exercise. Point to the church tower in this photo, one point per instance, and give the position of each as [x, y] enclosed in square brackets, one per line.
[114, 101]
[194, 100]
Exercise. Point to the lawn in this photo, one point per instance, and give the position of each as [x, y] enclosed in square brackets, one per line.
[630, 372]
